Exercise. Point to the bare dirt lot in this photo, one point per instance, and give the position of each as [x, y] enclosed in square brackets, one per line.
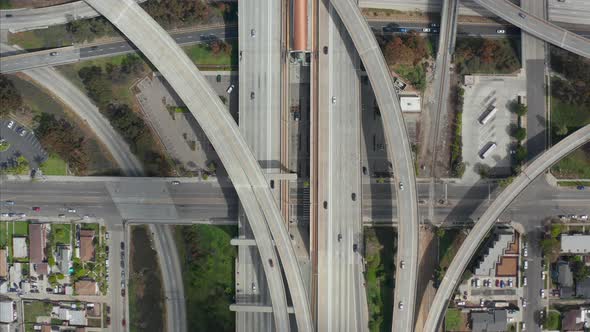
[428, 261]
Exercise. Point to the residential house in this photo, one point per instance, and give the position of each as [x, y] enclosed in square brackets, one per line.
[576, 320]
[575, 244]
[41, 268]
[86, 245]
[86, 287]
[3, 264]
[583, 288]
[73, 317]
[19, 247]
[565, 279]
[38, 241]
[489, 321]
[64, 255]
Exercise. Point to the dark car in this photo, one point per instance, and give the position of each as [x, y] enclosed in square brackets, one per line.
[580, 187]
[122, 245]
[123, 292]
[325, 49]
[355, 247]
[108, 320]
[270, 262]
[108, 309]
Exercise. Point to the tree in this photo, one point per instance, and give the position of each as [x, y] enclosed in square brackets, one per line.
[519, 133]
[10, 98]
[521, 154]
[519, 109]
[440, 232]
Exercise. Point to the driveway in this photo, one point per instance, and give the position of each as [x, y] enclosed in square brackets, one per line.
[27, 146]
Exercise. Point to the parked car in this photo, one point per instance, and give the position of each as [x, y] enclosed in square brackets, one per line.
[525, 265]
[542, 293]
[524, 281]
[580, 187]
[584, 217]
[403, 30]
[9, 202]
[23, 132]
[525, 252]
[10, 124]
[524, 303]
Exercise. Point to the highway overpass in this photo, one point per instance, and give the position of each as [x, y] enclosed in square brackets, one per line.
[538, 27]
[489, 217]
[341, 300]
[223, 133]
[398, 149]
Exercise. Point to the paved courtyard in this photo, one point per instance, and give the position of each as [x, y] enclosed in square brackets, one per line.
[485, 93]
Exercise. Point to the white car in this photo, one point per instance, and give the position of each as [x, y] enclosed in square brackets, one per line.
[524, 303]
[526, 265]
[543, 275]
[402, 264]
[542, 293]
[525, 252]
[401, 305]
[71, 210]
[333, 100]
[524, 281]
[230, 88]
[584, 217]
[426, 30]
[23, 133]
[253, 287]
[10, 124]
[501, 31]
[401, 186]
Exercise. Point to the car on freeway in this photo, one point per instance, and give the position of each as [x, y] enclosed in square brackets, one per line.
[522, 15]
[123, 322]
[353, 196]
[10, 124]
[122, 245]
[325, 49]
[53, 54]
[36, 208]
[333, 100]
[426, 30]
[253, 287]
[401, 186]
[71, 210]
[584, 217]
[501, 31]
[253, 33]
[403, 30]
[252, 95]
[61, 215]
[402, 264]
[230, 88]
[271, 263]
[400, 305]
[175, 182]
[339, 237]
[8, 202]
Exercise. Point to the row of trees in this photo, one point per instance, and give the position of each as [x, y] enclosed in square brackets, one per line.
[179, 13]
[576, 69]
[61, 137]
[10, 97]
[89, 29]
[482, 55]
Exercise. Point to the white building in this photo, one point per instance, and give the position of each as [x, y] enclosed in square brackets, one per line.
[74, 317]
[410, 103]
[7, 312]
[575, 244]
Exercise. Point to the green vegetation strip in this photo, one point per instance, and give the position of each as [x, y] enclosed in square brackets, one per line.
[379, 275]
[208, 273]
[453, 320]
[4, 145]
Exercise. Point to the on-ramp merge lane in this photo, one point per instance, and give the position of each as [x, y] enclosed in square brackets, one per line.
[538, 27]
[487, 220]
[398, 148]
[222, 131]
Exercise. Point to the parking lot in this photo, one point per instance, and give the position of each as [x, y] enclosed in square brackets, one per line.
[25, 144]
[485, 93]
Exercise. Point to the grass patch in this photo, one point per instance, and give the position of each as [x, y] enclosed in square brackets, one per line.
[566, 118]
[415, 75]
[453, 320]
[553, 321]
[4, 145]
[379, 245]
[21, 228]
[51, 37]
[36, 309]
[62, 233]
[202, 55]
[208, 273]
[576, 165]
[573, 183]
[54, 165]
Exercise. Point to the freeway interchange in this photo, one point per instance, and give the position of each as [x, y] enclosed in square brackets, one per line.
[158, 202]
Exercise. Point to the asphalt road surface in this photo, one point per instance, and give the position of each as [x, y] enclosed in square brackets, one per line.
[27, 145]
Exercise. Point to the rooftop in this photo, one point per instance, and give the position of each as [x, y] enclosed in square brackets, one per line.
[86, 245]
[493, 321]
[37, 241]
[86, 287]
[507, 267]
[6, 311]
[575, 244]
